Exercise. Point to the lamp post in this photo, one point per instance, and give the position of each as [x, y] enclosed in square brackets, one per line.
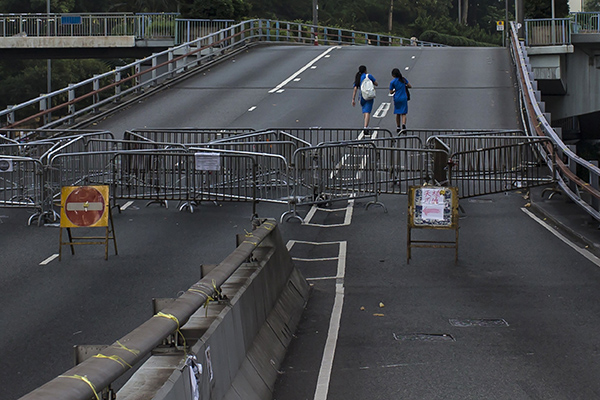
[553, 24]
[391, 17]
[315, 20]
[505, 33]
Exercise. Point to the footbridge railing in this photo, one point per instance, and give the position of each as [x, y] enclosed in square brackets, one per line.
[579, 179]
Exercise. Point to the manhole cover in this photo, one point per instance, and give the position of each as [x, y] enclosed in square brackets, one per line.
[425, 337]
[482, 322]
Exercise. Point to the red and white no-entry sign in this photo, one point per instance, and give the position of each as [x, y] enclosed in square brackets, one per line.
[84, 206]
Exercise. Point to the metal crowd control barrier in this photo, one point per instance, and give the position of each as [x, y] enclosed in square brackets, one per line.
[314, 136]
[425, 134]
[183, 135]
[294, 166]
[28, 165]
[21, 180]
[179, 176]
[35, 135]
[503, 164]
[358, 169]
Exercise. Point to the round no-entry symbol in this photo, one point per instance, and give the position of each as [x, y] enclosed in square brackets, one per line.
[84, 205]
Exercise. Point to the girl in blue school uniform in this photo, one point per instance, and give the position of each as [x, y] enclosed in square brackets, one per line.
[398, 87]
[367, 105]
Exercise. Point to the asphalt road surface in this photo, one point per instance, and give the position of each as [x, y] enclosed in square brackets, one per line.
[515, 318]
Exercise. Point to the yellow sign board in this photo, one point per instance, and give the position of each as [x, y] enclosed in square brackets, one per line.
[499, 25]
[432, 207]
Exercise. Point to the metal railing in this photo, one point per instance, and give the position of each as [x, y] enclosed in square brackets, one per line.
[142, 26]
[577, 178]
[187, 30]
[558, 31]
[548, 31]
[586, 22]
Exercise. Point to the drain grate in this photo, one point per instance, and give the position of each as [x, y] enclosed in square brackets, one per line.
[425, 337]
[482, 322]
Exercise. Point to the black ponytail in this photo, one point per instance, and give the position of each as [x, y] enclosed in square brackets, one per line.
[361, 70]
[397, 74]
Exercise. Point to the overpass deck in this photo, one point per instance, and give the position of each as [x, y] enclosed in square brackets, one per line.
[515, 317]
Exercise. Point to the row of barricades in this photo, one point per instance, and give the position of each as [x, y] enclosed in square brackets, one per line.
[295, 166]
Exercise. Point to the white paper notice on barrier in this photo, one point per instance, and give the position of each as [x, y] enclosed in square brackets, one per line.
[6, 166]
[195, 370]
[208, 161]
[432, 203]
[209, 363]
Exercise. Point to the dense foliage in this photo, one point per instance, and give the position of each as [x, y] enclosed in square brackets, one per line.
[591, 5]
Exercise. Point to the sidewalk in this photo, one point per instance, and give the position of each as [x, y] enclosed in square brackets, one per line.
[567, 217]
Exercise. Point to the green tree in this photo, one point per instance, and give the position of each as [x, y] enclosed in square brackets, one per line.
[36, 6]
[591, 5]
[536, 9]
[23, 80]
[142, 5]
[217, 9]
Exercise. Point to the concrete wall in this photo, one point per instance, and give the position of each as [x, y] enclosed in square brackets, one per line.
[240, 343]
[582, 81]
[20, 42]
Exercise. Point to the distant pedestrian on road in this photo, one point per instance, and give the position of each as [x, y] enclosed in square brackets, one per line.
[367, 105]
[398, 87]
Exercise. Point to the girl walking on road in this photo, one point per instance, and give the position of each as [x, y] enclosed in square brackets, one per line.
[398, 87]
[367, 105]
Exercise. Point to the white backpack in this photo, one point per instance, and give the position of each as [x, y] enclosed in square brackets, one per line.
[367, 89]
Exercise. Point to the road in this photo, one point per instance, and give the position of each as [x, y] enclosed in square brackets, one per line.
[380, 333]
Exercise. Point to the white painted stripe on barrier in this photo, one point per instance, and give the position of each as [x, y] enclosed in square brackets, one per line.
[334, 328]
[126, 205]
[49, 259]
[587, 254]
[301, 70]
